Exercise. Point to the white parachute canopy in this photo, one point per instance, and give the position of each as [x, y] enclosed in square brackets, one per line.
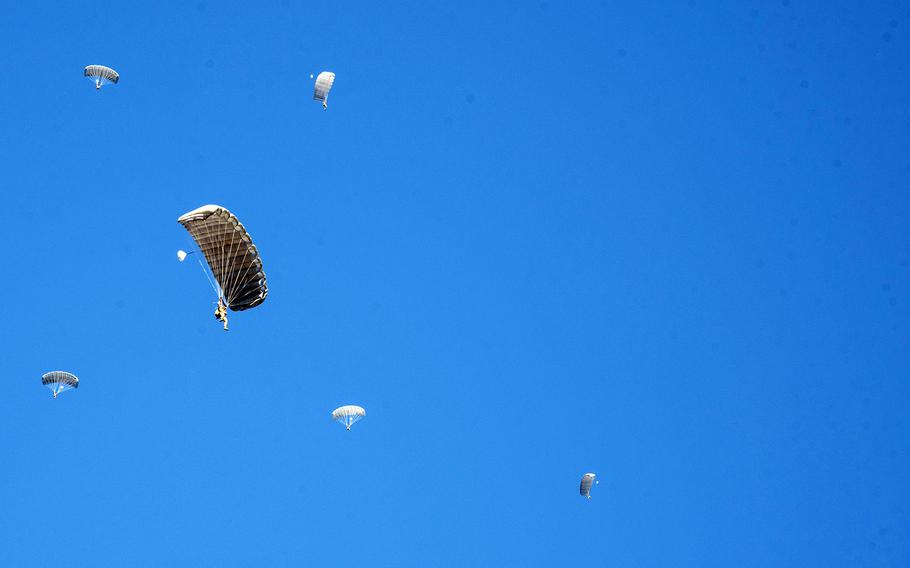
[587, 481]
[101, 75]
[181, 255]
[324, 82]
[348, 415]
[59, 381]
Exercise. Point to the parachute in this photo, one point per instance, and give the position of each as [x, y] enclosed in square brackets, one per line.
[324, 83]
[101, 75]
[59, 381]
[586, 482]
[348, 415]
[232, 258]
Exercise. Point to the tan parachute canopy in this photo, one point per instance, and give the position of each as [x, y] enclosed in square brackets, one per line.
[231, 255]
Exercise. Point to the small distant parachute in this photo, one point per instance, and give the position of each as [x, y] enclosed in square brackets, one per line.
[232, 258]
[101, 75]
[324, 83]
[348, 415]
[587, 481]
[181, 255]
[59, 381]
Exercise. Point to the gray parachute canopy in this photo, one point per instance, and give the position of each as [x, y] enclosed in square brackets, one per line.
[231, 255]
[102, 72]
[59, 381]
[586, 482]
[324, 82]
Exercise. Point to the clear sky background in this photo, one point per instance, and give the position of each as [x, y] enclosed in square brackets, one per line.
[665, 242]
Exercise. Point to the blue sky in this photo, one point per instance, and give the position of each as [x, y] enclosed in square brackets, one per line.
[662, 241]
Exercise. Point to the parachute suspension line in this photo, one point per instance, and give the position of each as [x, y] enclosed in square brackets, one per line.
[214, 266]
[221, 310]
[230, 275]
[237, 277]
[230, 293]
[223, 260]
[58, 387]
[207, 277]
[212, 262]
[217, 264]
[195, 249]
[240, 276]
[350, 420]
[232, 278]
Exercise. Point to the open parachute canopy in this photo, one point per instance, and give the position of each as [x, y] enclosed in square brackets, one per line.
[101, 75]
[324, 82]
[231, 255]
[587, 481]
[348, 415]
[60, 381]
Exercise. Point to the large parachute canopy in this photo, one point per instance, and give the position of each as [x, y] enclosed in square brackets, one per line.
[101, 75]
[348, 415]
[587, 481]
[324, 82]
[59, 381]
[231, 255]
